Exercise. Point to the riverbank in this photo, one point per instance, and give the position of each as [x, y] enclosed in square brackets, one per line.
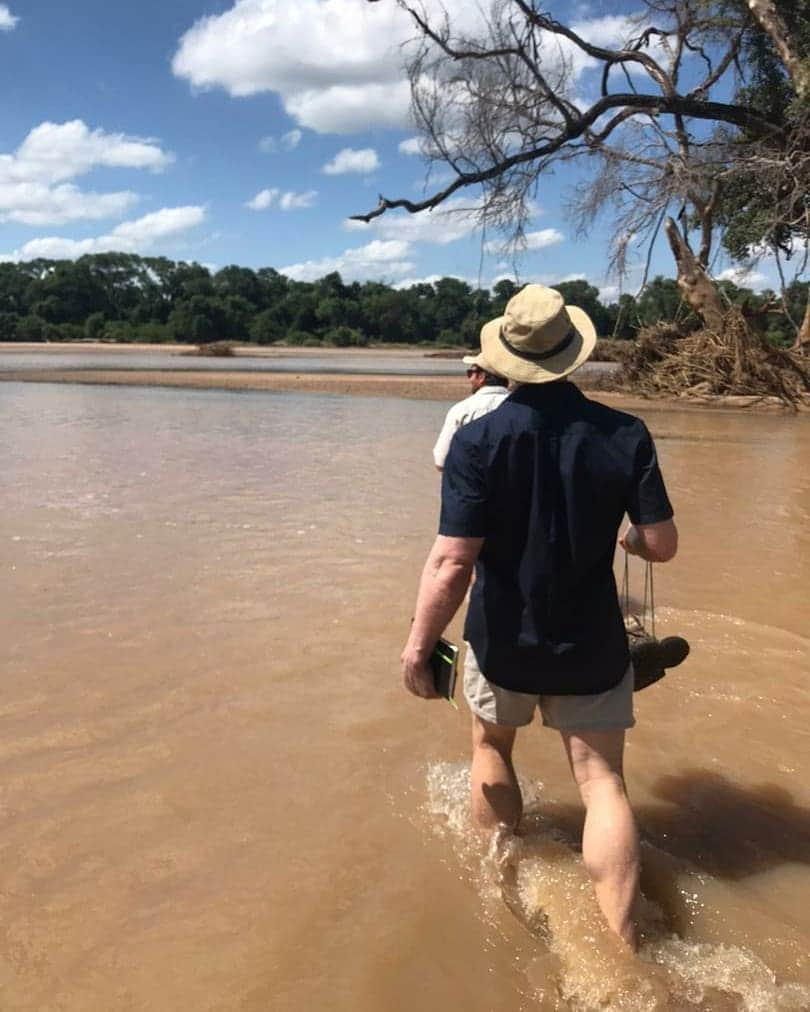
[596, 378]
[432, 388]
[239, 350]
[427, 388]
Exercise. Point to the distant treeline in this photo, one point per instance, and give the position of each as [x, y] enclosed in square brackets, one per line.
[124, 297]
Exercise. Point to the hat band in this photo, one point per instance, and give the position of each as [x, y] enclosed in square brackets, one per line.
[531, 356]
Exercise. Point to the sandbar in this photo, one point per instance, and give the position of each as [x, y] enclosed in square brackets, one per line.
[427, 387]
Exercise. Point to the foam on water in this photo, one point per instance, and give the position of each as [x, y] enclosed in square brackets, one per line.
[580, 966]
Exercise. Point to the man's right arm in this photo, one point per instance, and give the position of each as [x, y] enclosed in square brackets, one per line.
[651, 542]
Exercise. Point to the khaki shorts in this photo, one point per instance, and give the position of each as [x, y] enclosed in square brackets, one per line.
[607, 711]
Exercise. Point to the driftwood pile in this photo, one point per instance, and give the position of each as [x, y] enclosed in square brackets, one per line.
[214, 349]
[733, 363]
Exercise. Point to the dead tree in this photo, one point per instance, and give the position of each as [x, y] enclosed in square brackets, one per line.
[499, 105]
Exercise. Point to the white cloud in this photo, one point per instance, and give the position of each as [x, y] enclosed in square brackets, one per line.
[352, 160]
[609, 293]
[431, 279]
[608, 32]
[263, 199]
[534, 241]
[7, 19]
[377, 260]
[411, 146]
[33, 179]
[128, 237]
[745, 277]
[545, 237]
[297, 201]
[346, 109]
[291, 139]
[289, 201]
[558, 279]
[456, 219]
[53, 152]
[612, 31]
[336, 64]
[158, 224]
[505, 277]
[38, 204]
[287, 142]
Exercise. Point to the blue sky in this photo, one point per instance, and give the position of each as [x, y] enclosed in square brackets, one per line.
[242, 131]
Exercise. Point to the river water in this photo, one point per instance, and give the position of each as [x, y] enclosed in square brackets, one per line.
[215, 796]
[128, 357]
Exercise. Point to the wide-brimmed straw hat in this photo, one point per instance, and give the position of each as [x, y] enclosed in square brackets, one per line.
[479, 361]
[538, 339]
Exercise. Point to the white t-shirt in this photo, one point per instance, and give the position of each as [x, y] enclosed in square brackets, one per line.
[483, 401]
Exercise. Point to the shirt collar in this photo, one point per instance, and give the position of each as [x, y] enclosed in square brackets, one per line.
[559, 392]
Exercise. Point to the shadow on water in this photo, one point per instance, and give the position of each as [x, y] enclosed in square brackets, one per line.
[699, 827]
[706, 823]
[725, 829]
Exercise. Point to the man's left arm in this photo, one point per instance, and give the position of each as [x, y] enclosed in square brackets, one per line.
[444, 583]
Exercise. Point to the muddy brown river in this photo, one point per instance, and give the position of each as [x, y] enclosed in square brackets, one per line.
[214, 794]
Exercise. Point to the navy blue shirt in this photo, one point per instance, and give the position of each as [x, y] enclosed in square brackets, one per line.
[546, 479]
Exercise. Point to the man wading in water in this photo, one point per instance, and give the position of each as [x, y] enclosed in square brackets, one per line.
[533, 496]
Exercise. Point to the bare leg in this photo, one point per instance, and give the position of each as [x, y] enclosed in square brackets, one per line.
[610, 848]
[496, 799]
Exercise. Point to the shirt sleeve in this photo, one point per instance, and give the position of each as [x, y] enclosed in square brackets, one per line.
[464, 492]
[648, 502]
[445, 436]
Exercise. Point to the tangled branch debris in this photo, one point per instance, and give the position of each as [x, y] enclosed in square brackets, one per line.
[732, 362]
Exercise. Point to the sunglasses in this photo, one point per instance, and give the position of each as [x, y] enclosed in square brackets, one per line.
[473, 371]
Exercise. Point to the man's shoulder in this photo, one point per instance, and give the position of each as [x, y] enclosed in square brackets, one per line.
[515, 415]
[456, 409]
[482, 423]
[475, 406]
[468, 401]
[611, 419]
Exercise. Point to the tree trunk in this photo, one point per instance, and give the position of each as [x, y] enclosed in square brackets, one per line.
[802, 342]
[693, 281]
[770, 21]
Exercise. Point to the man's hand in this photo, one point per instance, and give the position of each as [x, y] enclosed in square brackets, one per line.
[417, 675]
[630, 540]
[652, 542]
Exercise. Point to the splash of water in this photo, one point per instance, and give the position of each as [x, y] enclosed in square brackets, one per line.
[580, 965]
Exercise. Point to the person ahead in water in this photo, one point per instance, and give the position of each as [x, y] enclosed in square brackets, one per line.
[533, 496]
[487, 391]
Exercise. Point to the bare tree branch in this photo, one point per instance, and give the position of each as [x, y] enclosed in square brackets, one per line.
[710, 111]
[501, 103]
